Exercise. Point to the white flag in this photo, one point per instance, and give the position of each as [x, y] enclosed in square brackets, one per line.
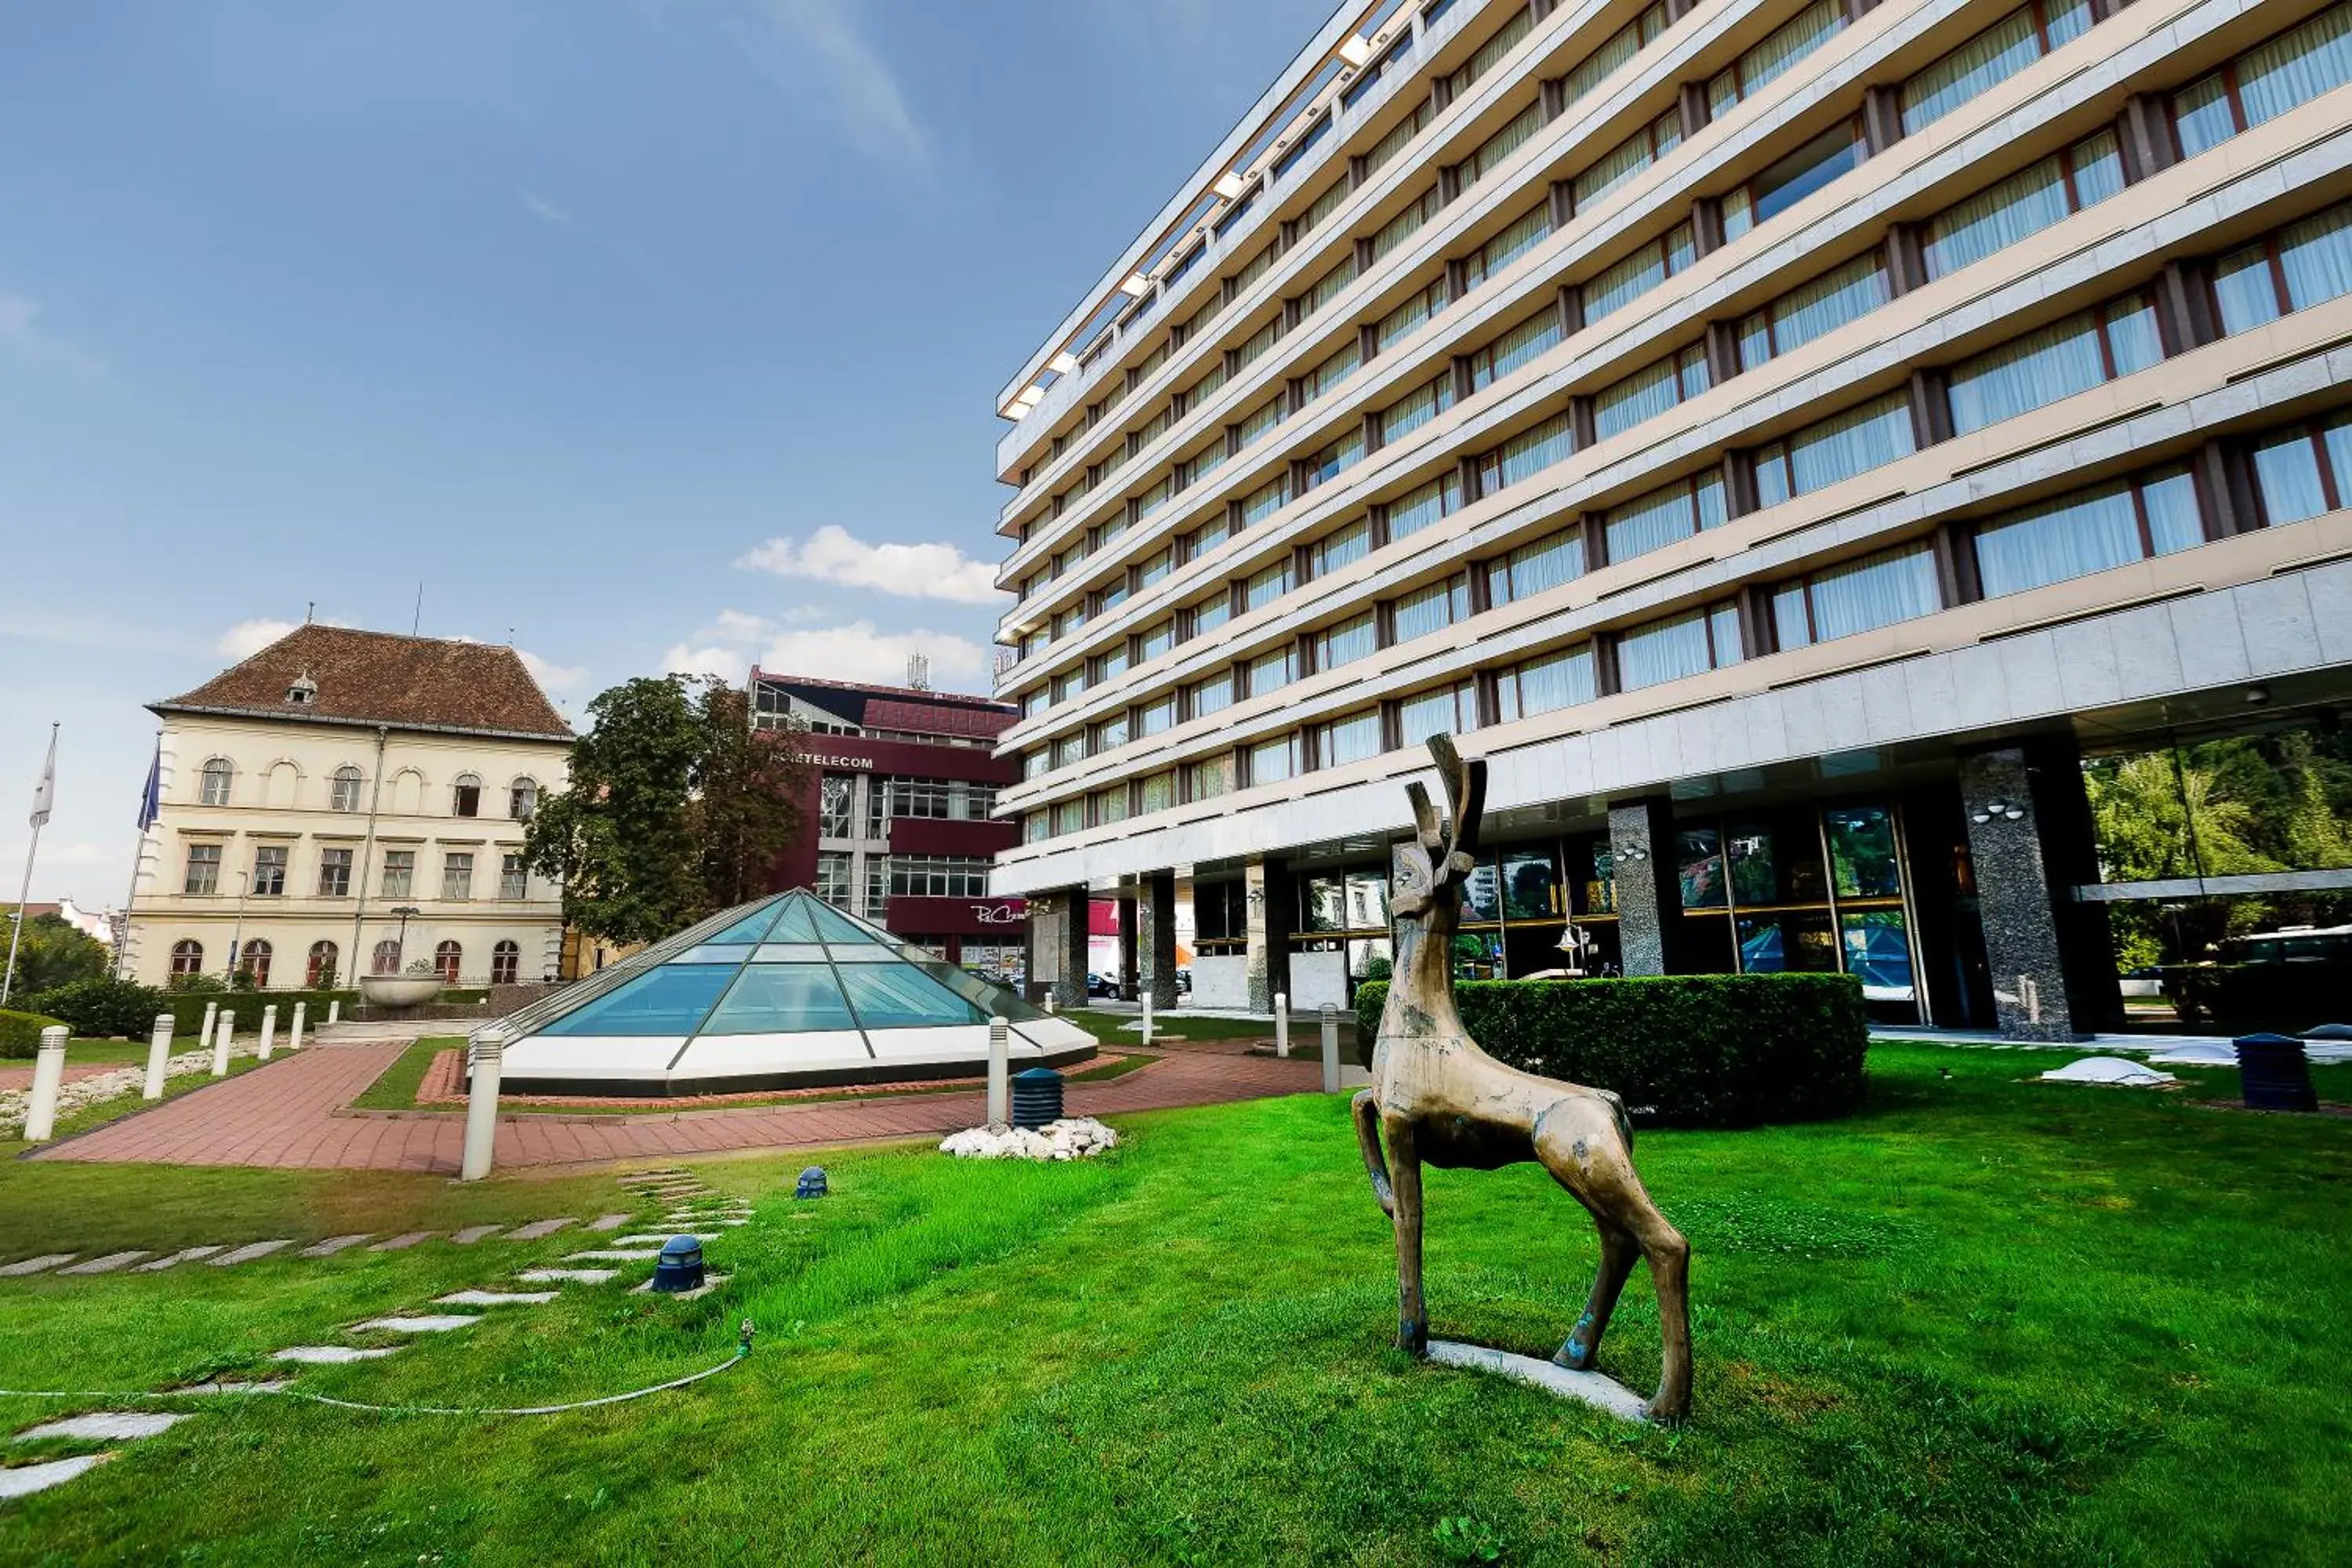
[44, 793]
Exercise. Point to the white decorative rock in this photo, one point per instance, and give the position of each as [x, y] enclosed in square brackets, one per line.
[2109, 1070]
[1071, 1138]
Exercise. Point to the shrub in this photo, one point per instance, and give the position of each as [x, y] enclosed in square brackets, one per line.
[104, 1006]
[1686, 1050]
[188, 1010]
[20, 1033]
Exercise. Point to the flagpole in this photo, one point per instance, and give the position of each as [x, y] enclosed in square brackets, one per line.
[150, 809]
[25, 890]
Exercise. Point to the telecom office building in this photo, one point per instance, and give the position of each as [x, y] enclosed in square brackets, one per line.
[1820, 454]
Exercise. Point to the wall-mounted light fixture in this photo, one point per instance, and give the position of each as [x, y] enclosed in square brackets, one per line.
[1998, 809]
[1634, 853]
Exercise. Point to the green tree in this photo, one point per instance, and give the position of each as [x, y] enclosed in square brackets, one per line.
[675, 809]
[52, 954]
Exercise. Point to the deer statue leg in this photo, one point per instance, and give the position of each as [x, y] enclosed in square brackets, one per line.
[1366, 1109]
[1413, 1315]
[1618, 1252]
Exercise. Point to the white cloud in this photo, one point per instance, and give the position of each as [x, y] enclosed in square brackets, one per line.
[808, 47]
[725, 663]
[546, 211]
[856, 651]
[247, 638]
[20, 329]
[834, 554]
[553, 677]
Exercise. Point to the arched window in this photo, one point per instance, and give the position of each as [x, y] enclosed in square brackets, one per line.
[506, 962]
[318, 975]
[466, 795]
[219, 773]
[256, 962]
[522, 799]
[387, 958]
[446, 958]
[344, 789]
[187, 958]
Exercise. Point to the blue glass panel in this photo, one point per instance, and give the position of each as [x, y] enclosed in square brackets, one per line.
[751, 927]
[900, 996]
[782, 998]
[797, 926]
[791, 952]
[715, 952]
[994, 1001]
[667, 1001]
[835, 926]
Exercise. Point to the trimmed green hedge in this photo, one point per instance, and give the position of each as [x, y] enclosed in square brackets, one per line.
[1685, 1050]
[20, 1033]
[103, 1006]
[188, 1010]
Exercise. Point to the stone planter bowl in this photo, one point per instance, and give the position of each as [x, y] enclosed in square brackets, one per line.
[400, 990]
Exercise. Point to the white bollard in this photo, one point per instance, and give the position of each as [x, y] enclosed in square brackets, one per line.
[269, 1029]
[1331, 1049]
[48, 1076]
[223, 1030]
[1147, 1016]
[999, 1073]
[1281, 1024]
[159, 1051]
[205, 1035]
[335, 1011]
[489, 1053]
[294, 1036]
[1049, 999]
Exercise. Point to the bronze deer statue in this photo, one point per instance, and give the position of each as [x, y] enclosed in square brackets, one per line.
[1438, 1100]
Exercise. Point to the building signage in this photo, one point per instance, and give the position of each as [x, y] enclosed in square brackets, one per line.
[830, 761]
[999, 914]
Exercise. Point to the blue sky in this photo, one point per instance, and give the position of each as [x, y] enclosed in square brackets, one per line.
[639, 331]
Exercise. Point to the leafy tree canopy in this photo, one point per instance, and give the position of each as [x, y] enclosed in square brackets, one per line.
[52, 954]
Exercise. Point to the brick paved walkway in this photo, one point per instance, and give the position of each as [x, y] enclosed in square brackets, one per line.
[291, 1113]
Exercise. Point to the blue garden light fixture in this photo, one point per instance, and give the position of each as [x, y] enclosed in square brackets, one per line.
[679, 1267]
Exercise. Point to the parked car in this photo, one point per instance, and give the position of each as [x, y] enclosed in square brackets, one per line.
[1101, 985]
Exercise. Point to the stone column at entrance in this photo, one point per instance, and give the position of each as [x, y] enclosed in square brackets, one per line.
[1128, 964]
[1266, 884]
[1155, 941]
[1649, 897]
[2015, 893]
[1057, 939]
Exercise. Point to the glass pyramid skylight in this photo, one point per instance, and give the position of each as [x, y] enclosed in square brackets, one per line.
[782, 992]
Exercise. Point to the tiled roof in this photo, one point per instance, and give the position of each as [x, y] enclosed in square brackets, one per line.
[380, 677]
[897, 707]
[935, 718]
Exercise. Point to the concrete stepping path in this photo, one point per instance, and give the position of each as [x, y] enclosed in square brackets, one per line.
[655, 1240]
[495, 1298]
[237, 1385]
[330, 1355]
[247, 1253]
[109, 1263]
[403, 1241]
[567, 1276]
[614, 1255]
[100, 1426]
[474, 1233]
[418, 1323]
[333, 1245]
[24, 1480]
[538, 1228]
[25, 1266]
[186, 1255]
[609, 1222]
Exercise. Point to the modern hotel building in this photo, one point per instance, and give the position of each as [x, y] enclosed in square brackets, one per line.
[1844, 466]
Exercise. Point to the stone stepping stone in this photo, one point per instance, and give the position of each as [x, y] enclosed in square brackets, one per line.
[655, 1241]
[567, 1276]
[333, 1245]
[495, 1298]
[710, 1282]
[25, 1266]
[186, 1255]
[248, 1252]
[329, 1355]
[540, 1227]
[403, 1241]
[609, 1221]
[24, 1480]
[474, 1233]
[419, 1323]
[614, 1255]
[107, 1264]
[101, 1425]
[237, 1385]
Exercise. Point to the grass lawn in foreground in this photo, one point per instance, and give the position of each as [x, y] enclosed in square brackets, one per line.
[1983, 1321]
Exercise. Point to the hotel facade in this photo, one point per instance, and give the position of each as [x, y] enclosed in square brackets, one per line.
[1846, 466]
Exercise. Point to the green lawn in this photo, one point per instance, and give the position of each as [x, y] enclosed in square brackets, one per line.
[1983, 1321]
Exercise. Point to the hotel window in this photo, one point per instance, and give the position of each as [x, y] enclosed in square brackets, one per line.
[978, 801]
[1629, 158]
[1151, 429]
[1507, 246]
[1069, 683]
[2111, 525]
[1208, 779]
[1328, 287]
[1491, 153]
[938, 876]
[1332, 372]
[1157, 717]
[1406, 224]
[1273, 671]
[1424, 504]
[1433, 609]
[1158, 791]
[1790, 42]
[343, 790]
[1069, 620]
[1343, 548]
[1200, 391]
[1674, 252]
[1110, 664]
[1335, 459]
[1545, 684]
[1448, 710]
[1264, 587]
[1879, 590]
[1827, 303]
[1489, 54]
[457, 875]
[1154, 567]
[1397, 52]
[1649, 391]
[1397, 136]
[218, 775]
[1679, 646]
[833, 877]
[1407, 319]
[1070, 750]
[1616, 50]
[1069, 816]
[204, 869]
[1538, 564]
[1213, 695]
[2058, 187]
[1212, 612]
[1334, 194]
[334, 873]
[270, 871]
[1257, 265]
[918, 798]
[1256, 343]
[1255, 429]
[1109, 734]
[1158, 639]
[1664, 516]
[1271, 762]
[1202, 463]
[514, 881]
[1349, 738]
[2265, 83]
[1416, 408]
[1835, 450]
[2305, 471]
[834, 805]
[466, 796]
[399, 873]
[1111, 805]
[1353, 638]
[2292, 269]
[1994, 56]
[1514, 349]
[1812, 166]
[2074, 355]
[1036, 827]
[1155, 496]
[1036, 765]
[1034, 701]
[1526, 454]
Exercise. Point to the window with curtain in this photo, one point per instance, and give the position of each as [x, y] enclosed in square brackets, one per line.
[1546, 684]
[1327, 288]
[1507, 246]
[1620, 284]
[1342, 548]
[1616, 50]
[1448, 710]
[2297, 267]
[1679, 646]
[1201, 390]
[1649, 392]
[1264, 587]
[1158, 638]
[1433, 609]
[1514, 349]
[2070, 356]
[1155, 496]
[1208, 779]
[1273, 670]
[1266, 500]
[1349, 738]
[1151, 429]
[1335, 458]
[1768, 61]
[1491, 153]
[2264, 82]
[1213, 695]
[1271, 762]
[2305, 471]
[1111, 805]
[2027, 202]
[2001, 50]
[1406, 224]
[1036, 827]
[2090, 531]
[1395, 139]
[1069, 816]
[1841, 295]
[1211, 613]
[1251, 347]
[1424, 504]
[1070, 750]
[1879, 590]
[1629, 158]
[1154, 567]
[1526, 454]
[1110, 663]
[1835, 450]
[1490, 54]
[1158, 791]
[1353, 638]
[1407, 317]
[1256, 426]
[1330, 202]
[1665, 515]
[1416, 408]
[1206, 537]
[1113, 593]
[1537, 565]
